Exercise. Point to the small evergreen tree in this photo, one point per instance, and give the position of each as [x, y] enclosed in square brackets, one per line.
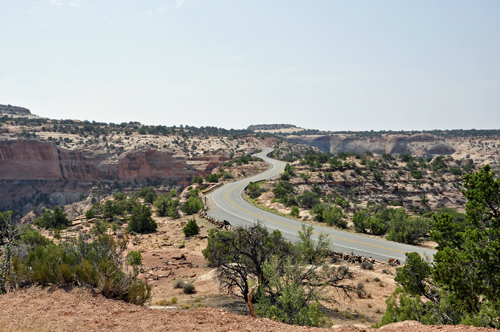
[53, 219]
[141, 221]
[191, 228]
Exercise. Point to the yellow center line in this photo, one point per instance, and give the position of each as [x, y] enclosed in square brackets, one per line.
[332, 236]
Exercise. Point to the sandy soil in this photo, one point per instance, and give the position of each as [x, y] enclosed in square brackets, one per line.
[57, 309]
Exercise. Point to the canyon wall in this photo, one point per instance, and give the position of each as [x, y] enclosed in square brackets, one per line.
[421, 144]
[33, 171]
[36, 160]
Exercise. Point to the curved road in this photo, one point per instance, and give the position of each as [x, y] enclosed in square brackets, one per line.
[232, 207]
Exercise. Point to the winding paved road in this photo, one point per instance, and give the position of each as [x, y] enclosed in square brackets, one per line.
[232, 207]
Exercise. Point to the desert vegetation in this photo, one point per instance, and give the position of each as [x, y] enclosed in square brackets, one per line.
[290, 281]
[461, 286]
[397, 197]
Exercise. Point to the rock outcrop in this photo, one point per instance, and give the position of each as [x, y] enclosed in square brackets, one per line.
[36, 160]
[420, 144]
[34, 171]
[14, 110]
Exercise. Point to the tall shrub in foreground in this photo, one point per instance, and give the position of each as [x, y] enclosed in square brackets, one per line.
[100, 263]
[462, 286]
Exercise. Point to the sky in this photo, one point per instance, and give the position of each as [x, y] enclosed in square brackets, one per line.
[328, 65]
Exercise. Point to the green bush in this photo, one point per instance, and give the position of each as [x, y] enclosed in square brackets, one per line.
[197, 179]
[317, 212]
[254, 190]
[192, 205]
[408, 230]
[148, 193]
[212, 178]
[100, 227]
[129, 204]
[53, 220]
[377, 226]
[334, 216]
[166, 206]
[119, 196]
[417, 174]
[112, 208]
[295, 211]
[141, 221]
[191, 228]
[134, 258]
[32, 238]
[90, 214]
[308, 200]
[97, 263]
[188, 288]
[360, 221]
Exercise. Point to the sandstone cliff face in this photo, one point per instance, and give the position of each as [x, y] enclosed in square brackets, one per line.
[416, 144]
[36, 160]
[36, 172]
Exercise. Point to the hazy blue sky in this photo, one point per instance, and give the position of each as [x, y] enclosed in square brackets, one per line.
[332, 65]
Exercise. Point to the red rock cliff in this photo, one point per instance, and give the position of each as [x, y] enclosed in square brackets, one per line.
[35, 160]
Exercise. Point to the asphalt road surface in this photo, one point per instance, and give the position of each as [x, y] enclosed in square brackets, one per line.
[230, 206]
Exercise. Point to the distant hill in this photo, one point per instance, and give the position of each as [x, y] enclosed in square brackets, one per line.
[270, 127]
[15, 110]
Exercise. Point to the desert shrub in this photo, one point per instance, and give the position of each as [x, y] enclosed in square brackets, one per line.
[192, 205]
[254, 190]
[408, 230]
[178, 283]
[295, 211]
[360, 221]
[32, 238]
[367, 266]
[292, 277]
[377, 226]
[100, 227]
[99, 263]
[405, 157]
[53, 220]
[141, 221]
[376, 279]
[112, 208]
[334, 216]
[114, 226]
[119, 196]
[148, 193]
[188, 288]
[308, 199]
[166, 206]
[317, 212]
[212, 178]
[90, 214]
[197, 179]
[191, 228]
[134, 258]
[129, 204]
[417, 174]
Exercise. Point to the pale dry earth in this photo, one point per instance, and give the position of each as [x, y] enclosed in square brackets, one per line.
[56, 309]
